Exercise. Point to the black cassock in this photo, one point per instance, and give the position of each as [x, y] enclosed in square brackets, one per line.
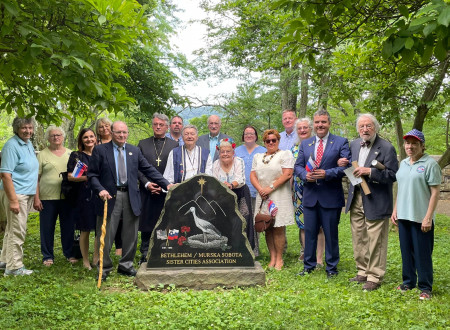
[156, 151]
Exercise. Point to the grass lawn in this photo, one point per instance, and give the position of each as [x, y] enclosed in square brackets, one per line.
[65, 296]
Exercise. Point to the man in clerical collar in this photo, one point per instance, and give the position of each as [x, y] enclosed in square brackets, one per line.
[289, 135]
[209, 141]
[176, 125]
[156, 150]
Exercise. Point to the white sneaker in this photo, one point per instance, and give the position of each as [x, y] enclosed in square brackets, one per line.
[2, 265]
[18, 272]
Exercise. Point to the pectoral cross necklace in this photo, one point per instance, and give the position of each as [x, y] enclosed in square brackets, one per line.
[158, 159]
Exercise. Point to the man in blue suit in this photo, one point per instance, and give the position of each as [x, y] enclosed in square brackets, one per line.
[113, 175]
[323, 196]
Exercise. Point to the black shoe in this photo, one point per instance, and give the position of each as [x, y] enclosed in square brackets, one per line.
[331, 275]
[305, 271]
[142, 260]
[104, 276]
[126, 272]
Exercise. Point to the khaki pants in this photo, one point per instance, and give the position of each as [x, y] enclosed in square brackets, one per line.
[370, 241]
[16, 229]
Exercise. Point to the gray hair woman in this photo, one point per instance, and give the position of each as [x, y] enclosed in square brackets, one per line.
[19, 171]
[48, 200]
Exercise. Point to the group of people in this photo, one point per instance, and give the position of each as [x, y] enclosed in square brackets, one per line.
[299, 170]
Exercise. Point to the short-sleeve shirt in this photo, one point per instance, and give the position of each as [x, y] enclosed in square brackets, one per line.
[242, 152]
[236, 173]
[414, 181]
[50, 166]
[19, 160]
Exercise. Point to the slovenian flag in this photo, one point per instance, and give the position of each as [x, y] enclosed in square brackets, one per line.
[79, 169]
[173, 234]
[310, 165]
[273, 209]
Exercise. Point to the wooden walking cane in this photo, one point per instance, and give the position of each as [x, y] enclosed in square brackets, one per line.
[364, 185]
[102, 244]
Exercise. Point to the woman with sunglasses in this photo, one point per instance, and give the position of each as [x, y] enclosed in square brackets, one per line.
[270, 175]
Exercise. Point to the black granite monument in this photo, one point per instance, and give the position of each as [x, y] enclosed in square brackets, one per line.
[200, 226]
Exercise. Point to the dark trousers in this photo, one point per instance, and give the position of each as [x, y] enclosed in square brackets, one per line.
[47, 222]
[417, 248]
[314, 218]
[145, 242]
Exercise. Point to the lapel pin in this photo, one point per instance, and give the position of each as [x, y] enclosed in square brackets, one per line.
[130, 153]
[376, 152]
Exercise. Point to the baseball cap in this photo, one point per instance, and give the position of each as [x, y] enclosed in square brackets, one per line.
[415, 133]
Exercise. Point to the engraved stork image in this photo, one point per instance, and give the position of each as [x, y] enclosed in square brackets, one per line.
[205, 226]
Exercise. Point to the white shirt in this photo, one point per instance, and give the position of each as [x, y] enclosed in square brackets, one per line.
[191, 165]
[324, 142]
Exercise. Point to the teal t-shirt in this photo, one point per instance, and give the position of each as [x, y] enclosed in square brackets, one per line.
[414, 183]
[19, 160]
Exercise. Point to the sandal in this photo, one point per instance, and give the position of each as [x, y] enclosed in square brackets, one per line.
[72, 260]
[47, 262]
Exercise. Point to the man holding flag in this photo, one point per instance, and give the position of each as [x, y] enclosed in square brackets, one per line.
[323, 196]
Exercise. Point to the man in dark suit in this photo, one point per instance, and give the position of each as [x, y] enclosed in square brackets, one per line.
[369, 214]
[209, 141]
[155, 149]
[323, 196]
[113, 175]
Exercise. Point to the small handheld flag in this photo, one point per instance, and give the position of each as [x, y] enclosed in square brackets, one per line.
[79, 169]
[310, 165]
[273, 209]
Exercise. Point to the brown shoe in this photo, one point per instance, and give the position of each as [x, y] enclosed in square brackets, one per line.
[359, 279]
[370, 286]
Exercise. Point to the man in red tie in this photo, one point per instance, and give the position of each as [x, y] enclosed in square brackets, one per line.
[323, 196]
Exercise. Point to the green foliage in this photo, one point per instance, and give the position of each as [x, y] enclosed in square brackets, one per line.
[70, 52]
[65, 296]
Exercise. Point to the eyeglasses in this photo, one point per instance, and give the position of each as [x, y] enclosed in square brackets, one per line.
[370, 126]
[271, 141]
[159, 124]
[249, 134]
[120, 132]
[226, 151]
[54, 136]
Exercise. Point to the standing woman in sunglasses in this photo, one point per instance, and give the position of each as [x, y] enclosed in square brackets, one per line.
[270, 175]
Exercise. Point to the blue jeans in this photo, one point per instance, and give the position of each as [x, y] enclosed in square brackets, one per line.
[417, 248]
[50, 212]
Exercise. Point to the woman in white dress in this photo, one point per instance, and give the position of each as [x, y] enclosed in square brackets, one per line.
[270, 176]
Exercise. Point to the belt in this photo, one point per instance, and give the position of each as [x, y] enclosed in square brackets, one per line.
[122, 188]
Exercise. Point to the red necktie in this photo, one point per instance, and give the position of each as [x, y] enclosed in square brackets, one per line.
[319, 153]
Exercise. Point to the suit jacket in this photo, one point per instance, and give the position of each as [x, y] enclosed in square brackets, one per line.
[102, 175]
[203, 141]
[379, 203]
[327, 192]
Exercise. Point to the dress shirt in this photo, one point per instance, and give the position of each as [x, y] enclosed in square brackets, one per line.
[324, 142]
[116, 155]
[212, 145]
[287, 141]
[180, 140]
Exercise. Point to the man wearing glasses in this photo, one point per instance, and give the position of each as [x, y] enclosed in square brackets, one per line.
[113, 175]
[209, 141]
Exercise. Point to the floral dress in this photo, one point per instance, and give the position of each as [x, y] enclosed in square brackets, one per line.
[297, 193]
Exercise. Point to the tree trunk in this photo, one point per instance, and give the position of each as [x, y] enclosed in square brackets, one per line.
[323, 92]
[399, 131]
[445, 159]
[289, 77]
[303, 92]
[430, 94]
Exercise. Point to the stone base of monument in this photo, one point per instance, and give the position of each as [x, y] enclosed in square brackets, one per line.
[200, 278]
